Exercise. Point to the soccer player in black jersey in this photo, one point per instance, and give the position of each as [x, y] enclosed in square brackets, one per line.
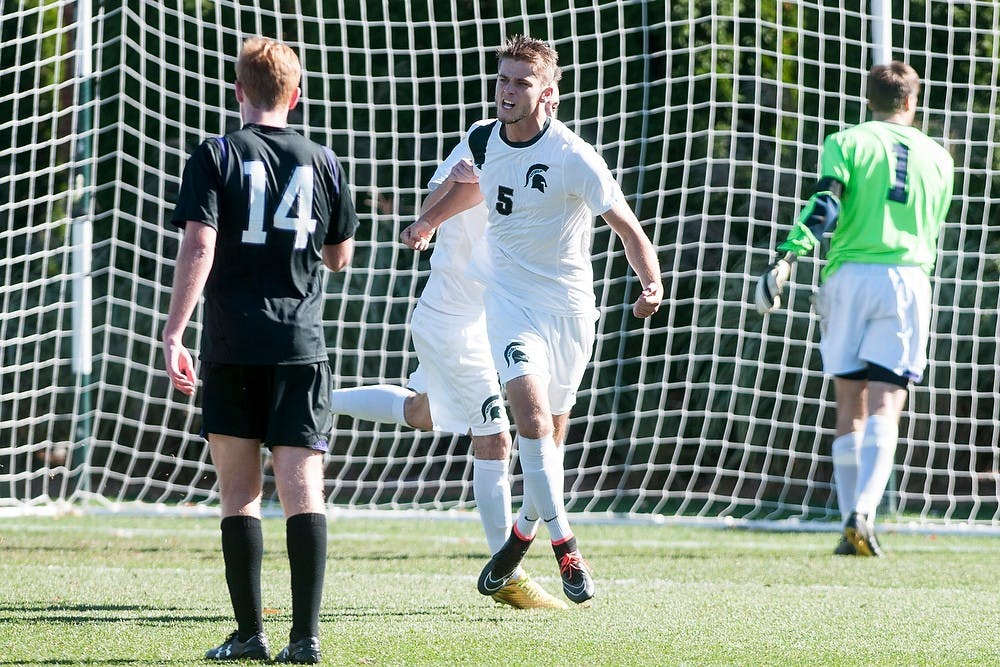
[263, 209]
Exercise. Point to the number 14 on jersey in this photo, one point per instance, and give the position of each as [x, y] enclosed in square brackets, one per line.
[298, 194]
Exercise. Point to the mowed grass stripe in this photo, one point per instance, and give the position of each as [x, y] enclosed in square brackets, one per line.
[99, 590]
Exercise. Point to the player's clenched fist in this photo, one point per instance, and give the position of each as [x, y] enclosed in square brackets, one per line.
[417, 235]
[648, 301]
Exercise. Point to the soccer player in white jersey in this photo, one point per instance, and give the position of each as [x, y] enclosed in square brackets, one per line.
[543, 186]
[455, 388]
[884, 191]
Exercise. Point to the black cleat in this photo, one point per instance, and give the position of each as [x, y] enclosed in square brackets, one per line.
[502, 565]
[861, 535]
[254, 648]
[845, 548]
[302, 652]
[577, 583]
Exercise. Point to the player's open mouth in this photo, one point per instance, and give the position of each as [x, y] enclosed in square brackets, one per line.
[506, 104]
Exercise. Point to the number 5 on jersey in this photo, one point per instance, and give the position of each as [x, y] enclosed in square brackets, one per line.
[505, 200]
[299, 189]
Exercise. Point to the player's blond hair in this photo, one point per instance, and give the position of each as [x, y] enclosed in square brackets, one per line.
[889, 85]
[269, 72]
[543, 58]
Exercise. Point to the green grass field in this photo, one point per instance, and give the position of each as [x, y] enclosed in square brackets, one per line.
[115, 590]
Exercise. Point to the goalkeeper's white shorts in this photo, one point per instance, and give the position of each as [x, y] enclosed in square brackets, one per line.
[456, 372]
[875, 313]
[556, 348]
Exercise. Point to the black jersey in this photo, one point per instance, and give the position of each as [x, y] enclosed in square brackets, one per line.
[275, 198]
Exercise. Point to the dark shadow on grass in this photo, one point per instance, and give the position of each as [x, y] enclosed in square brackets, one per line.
[60, 555]
[77, 607]
[495, 614]
[389, 556]
[342, 613]
[107, 661]
[76, 613]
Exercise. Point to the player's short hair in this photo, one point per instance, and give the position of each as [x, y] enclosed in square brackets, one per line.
[269, 72]
[889, 85]
[543, 58]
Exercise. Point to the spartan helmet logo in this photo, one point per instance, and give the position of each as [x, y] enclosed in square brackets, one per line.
[514, 353]
[491, 409]
[534, 178]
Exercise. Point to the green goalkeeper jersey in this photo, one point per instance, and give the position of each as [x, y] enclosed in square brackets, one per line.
[897, 187]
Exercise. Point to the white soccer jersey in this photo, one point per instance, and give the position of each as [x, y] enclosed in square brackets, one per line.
[449, 289]
[542, 198]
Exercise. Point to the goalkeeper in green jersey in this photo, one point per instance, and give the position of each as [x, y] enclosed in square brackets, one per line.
[883, 193]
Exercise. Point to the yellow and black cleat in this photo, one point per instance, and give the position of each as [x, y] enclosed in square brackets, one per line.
[526, 594]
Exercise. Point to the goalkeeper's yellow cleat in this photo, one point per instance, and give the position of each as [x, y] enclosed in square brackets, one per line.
[526, 594]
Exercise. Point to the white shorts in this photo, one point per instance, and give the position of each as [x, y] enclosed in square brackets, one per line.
[878, 314]
[556, 348]
[456, 372]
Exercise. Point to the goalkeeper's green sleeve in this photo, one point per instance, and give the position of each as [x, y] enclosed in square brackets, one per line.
[819, 217]
[800, 241]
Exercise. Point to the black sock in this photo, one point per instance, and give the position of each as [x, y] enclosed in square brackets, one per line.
[565, 547]
[305, 535]
[242, 552]
[512, 552]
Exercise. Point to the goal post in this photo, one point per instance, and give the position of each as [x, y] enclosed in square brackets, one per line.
[710, 114]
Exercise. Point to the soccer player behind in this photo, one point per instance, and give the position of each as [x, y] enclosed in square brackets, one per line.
[263, 209]
[542, 186]
[454, 387]
[883, 192]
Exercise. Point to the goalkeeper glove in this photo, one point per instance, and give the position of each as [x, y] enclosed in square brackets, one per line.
[771, 285]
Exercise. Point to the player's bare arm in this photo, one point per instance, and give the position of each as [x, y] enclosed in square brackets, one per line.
[338, 256]
[458, 197]
[194, 262]
[641, 256]
[463, 172]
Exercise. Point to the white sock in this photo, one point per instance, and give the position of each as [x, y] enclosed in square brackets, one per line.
[845, 470]
[526, 522]
[375, 403]
[491, 485]
[541, 463]
[875, 461]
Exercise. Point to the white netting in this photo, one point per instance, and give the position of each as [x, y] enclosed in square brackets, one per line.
[710, 113]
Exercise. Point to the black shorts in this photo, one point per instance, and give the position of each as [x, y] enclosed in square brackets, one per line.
[875, 373]
[279, 405]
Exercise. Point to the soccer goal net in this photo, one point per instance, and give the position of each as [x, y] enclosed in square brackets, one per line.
[711, 115]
